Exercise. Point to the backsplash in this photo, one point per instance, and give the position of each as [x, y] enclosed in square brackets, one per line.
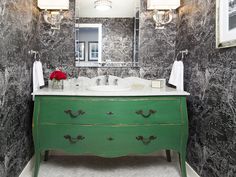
[210, 77]
[18, 22]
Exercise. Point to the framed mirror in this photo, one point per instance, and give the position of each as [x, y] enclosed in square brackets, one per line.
[107, 38]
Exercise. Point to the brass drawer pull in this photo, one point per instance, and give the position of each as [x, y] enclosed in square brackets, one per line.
[74, 140]
[140, 112]
[146, 141]
[110, 139]
[76, 114]
[110, 113]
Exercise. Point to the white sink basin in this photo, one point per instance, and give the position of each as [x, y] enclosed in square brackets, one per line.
[108, 88]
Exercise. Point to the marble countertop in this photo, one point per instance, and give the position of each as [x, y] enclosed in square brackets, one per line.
[81, 91]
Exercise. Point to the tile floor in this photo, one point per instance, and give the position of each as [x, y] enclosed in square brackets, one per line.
[90, 166]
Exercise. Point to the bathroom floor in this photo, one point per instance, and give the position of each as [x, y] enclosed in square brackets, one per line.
[89, 166]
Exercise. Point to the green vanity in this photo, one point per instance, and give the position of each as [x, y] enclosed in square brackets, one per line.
[110, 126]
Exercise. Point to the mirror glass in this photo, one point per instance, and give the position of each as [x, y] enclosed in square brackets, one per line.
[107, 38]
[88, 44]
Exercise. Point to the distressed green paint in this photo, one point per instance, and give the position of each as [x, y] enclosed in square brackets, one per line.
[96, 110]
[110, 126]
[96, 139]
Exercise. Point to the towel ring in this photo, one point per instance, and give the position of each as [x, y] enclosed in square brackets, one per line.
[183, 52]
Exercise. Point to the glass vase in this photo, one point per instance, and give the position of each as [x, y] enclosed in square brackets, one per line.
[57, 84]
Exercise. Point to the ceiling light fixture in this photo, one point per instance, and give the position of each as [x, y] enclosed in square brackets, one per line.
[103, 5]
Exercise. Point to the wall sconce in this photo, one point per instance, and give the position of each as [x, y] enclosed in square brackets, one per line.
[162, 11]
[55, 13]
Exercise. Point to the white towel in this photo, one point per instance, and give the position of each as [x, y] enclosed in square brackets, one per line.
[177, 75]
[38, 79]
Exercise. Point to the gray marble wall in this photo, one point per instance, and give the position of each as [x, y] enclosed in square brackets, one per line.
[157, 46]
[57, 46]
[210, 77]
[18, 24]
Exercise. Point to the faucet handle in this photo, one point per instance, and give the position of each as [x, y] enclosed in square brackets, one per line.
[106, 79]
[98, 81]
[115, 81]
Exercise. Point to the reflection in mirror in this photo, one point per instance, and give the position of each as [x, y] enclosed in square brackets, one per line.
[119, 43]
[88, 44]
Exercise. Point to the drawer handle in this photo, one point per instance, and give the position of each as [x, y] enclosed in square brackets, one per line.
[110, 139]
[74, 115]
[140, 112]
[74, 140]
[110, 113]
[146, 141]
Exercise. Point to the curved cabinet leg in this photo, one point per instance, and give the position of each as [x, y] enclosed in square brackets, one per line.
[46, 156]
[182, 160]
[168, 156]
[37, 163]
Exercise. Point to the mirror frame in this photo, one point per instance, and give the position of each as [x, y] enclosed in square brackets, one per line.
[136, 43]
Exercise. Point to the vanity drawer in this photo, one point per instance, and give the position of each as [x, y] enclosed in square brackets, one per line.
[109, 141]
[107, 110]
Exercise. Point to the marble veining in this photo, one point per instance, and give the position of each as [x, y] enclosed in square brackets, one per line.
[157, 47]
[57, 46]
[18, 23]
[210, 77]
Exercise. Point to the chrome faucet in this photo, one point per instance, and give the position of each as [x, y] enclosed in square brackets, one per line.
[115, 81]
[98, 81]
[106, 79]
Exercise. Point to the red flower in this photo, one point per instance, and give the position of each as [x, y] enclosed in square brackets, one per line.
[58, 75]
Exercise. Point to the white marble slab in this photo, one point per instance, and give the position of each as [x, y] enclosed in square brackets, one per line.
[138, 87]
[132, 92]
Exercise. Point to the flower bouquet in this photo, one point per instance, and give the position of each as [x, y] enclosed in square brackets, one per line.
[57, 78]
